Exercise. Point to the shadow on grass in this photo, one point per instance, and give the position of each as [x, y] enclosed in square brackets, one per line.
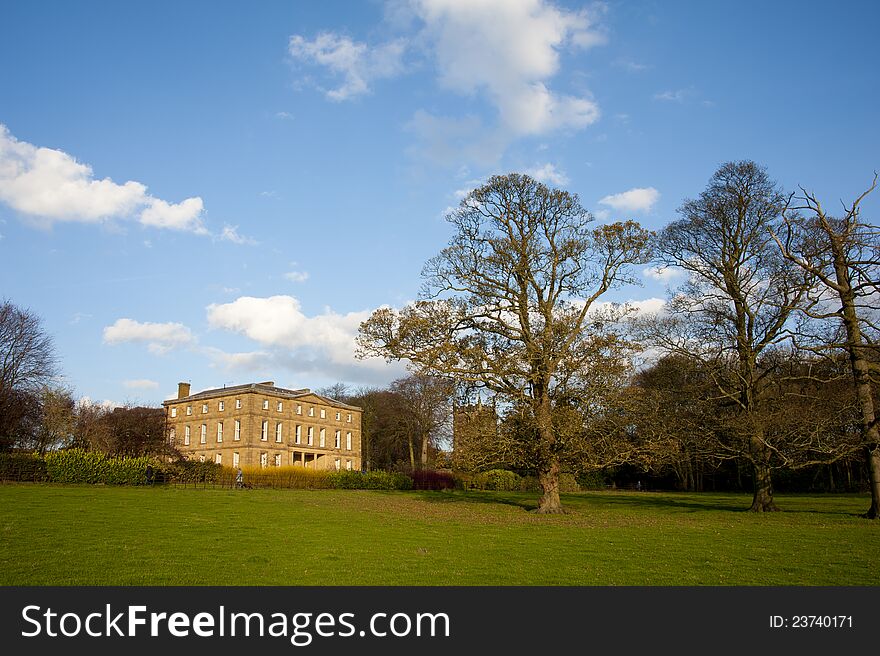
[684, 503]
[712, 501]
[515, 499]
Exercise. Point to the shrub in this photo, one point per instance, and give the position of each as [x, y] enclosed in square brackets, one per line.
[288, 477]
[567, 483]
[79, 466]
[22, 467]
[192, 471]
[378, 480]
[501, 479]
[430, 479]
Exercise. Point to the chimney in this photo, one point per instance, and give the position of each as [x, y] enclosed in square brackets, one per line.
[182, 390]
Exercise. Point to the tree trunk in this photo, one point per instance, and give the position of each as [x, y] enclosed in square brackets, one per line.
[763, 499]
[873, 456]
[870, 433]
[862, 379]
[425, 451]
[548, 473]
[412, 453]
[549, 479]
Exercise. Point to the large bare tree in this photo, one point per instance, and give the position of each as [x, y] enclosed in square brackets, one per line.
[27, 364]
[505, 306]
[843, 255]
[427, 401]
[736, 304]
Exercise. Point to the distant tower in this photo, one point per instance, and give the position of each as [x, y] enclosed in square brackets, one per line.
[474, 431]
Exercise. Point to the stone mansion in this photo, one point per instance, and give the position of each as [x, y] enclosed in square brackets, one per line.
[259, 424]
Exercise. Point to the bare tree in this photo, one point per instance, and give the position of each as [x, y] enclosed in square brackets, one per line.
[57, 420]
[337, 391]
[736, 304]
[27, 364]
[843, 255]
[505, 306]
[427, 401]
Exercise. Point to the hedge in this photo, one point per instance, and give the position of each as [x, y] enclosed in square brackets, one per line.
[22, 467]
[79, 466]
[93, 467]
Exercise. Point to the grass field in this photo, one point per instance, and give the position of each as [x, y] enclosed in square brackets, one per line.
[82, 535]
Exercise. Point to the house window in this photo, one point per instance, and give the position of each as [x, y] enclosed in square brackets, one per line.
[204, 435]
[235, 459]
[264, 459]
[311, 436]
[280, 406]
[171, 435]
[337, 441]
[297, 435]
[218, 458]
[201, 457]
[336, 463]
[237, 435]
[278, 432]
[219, 431]
[323, 413]
[348, 418]
[322, 438]
[348, 440]
[173, 412]
[299, 409]
[189, 410]
[204, 408]
[277, 459]
[186, 436]
[221, 406]
[238, 404]
[265, 404]
[264, 434]
[348, 465]
[311, 412]
[338, 416]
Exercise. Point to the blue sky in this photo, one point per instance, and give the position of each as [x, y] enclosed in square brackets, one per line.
[220, 192]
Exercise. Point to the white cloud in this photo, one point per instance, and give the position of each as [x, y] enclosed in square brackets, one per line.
[140, 384]
[297, 276]
[321, 344]
[186, 215]
[252, 362]
[509, 51]
[230, 234]
[632, 307]
[285, 116]
[640, 199]
[279, 321]
[662, 273]
[159, 337]
[106, 404]
[355, 62]
[49, 186]
[548, 173]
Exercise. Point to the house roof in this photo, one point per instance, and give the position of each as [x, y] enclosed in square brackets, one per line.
[260, 388]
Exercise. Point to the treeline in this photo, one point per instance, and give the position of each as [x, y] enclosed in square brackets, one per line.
[39, 414]
[764, 357]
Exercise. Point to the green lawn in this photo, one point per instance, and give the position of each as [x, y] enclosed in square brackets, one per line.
[81, 535]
